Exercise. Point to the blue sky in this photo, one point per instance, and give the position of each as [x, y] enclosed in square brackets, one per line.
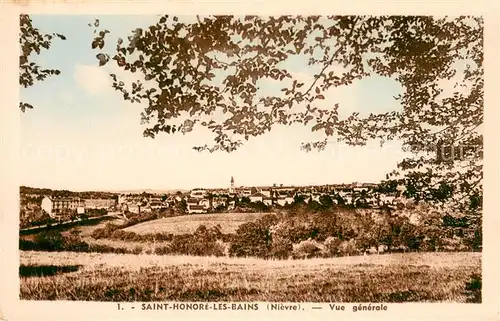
[81, 135]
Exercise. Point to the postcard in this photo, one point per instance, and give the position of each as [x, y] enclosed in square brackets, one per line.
[249, 159]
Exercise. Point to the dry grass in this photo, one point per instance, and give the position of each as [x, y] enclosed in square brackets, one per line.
[87, 230]
[128, 245]
[229, 222]
[429, 277]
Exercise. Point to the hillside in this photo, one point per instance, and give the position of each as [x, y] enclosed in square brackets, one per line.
[229, 222]
[25, 190]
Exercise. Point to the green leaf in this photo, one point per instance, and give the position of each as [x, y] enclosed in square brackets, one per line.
[103, 59]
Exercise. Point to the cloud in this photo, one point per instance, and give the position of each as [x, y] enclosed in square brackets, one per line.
[66, 97]
[93, 79]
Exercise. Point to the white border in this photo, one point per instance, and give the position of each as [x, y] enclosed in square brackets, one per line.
[11, 308]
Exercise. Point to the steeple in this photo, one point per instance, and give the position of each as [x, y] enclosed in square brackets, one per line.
[231, 189]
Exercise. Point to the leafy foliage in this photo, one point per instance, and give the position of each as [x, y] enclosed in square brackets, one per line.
[255, 239]
[473, 289]
[342, 231]
[33, 41]
[203, 242]
[211, 72]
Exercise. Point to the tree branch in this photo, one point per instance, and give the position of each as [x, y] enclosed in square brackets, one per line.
[329, 63]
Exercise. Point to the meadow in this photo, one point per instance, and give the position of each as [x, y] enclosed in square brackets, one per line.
[300, 256]
[397, 277]
[187, 224]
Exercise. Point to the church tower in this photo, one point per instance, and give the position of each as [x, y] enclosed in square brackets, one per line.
[231, 189]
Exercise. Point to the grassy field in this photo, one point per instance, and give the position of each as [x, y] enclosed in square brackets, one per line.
[416, 277]
[229, 222]
[86, 230]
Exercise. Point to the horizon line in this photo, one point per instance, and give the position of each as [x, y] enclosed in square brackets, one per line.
[192, 188]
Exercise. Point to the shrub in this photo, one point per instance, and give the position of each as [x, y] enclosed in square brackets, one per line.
[281, 246]
[301, 232]
[474, 239]
[74, 244]
[331, 246]
[429, 244]
[228, 238]
[50, 241]
[454, 243]
[203, 242]
[139, 218]
[252, 239]
[473, 289]
[348, 248]
[137, 250]
[221, 248]
[104, 232]
[125, 236]
[116, 232]
[25, 245]
[307, 249]
[157, 237]
[259, 207]
[267, 221]
[192, 245]
[55, 241]
[99, 248]
[97, 212]
[162, 250]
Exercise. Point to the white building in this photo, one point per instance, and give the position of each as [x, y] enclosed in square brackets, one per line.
[268, 201]
[385, 199]
[265, 191]
[205, 203]
[134, 208]
[257, 197]
[57, 206]
[193, 201]
[218, 201]
[122, 198]
[245, 192]
[99, 203]
[198, 193]
[196, 209]
[282, 200]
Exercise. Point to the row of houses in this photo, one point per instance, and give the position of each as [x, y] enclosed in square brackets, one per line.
[201, 200]
[138, 203]
[56, 206]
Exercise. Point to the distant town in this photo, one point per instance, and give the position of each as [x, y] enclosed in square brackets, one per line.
[59, 205]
